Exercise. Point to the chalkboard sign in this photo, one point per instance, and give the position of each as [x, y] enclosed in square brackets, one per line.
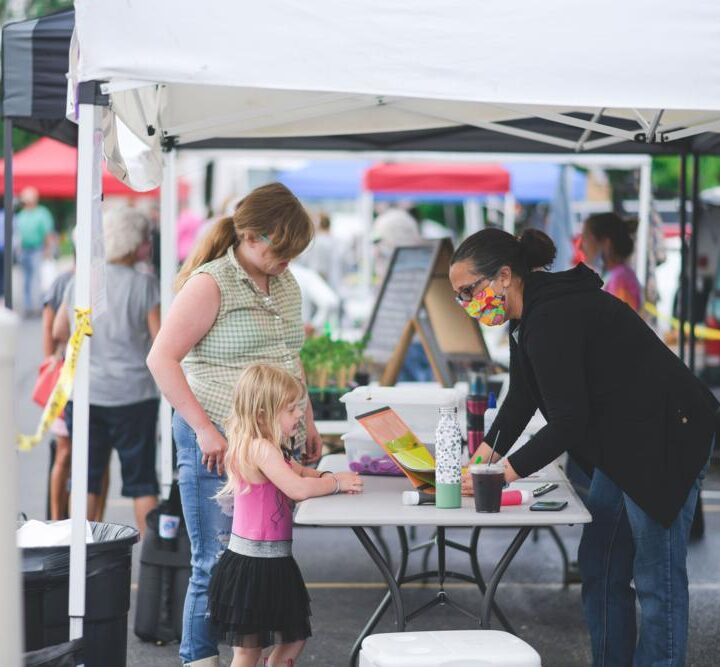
[399, 299]
[416, 298]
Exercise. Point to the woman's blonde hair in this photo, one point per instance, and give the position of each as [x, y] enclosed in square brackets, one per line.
[261, 394]
[270, 210]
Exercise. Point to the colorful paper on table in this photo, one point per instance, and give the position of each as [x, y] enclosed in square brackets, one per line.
[399, 442]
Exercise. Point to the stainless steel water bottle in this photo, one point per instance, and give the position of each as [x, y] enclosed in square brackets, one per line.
[448, 442]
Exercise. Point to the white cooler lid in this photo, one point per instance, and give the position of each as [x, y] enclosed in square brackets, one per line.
[406, 394]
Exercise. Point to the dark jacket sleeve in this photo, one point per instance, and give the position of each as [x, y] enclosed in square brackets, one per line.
[516, 410]
[555, 347]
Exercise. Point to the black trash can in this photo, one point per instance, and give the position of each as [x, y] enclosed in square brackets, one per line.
[46, 573]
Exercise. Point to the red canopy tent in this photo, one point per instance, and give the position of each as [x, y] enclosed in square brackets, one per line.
[456, 178]
[51, 168]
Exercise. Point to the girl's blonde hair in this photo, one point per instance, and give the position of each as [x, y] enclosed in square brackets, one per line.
[261, 394]
[270, 210]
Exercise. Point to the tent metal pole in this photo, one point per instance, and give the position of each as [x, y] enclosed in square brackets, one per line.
[88, 202]
[644, 197]
[11, 639]
[367, 205]
[168, 265]
[509, 213]
[682, 291]
[8, 206]
[695, 223]
[473, 216]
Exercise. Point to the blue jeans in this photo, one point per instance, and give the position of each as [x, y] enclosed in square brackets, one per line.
[623, 544]
[30, 259]
[209, 531]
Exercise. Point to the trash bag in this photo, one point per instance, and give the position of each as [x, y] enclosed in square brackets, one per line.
[68, 654]
[46, 573]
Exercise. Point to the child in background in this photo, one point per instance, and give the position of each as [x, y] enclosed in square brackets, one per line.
[608, 244]
[257, 596]
[60, 473]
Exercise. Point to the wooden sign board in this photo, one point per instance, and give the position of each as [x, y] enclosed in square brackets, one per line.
[416, 298]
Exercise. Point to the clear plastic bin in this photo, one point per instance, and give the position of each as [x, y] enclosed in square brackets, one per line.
[365, 456]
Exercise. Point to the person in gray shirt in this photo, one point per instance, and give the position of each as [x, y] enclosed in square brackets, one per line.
[123, 397]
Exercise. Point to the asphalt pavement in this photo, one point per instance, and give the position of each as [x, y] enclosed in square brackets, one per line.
[345, 585]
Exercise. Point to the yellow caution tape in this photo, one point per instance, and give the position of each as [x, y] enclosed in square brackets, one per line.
[701, 331]
[63, 388]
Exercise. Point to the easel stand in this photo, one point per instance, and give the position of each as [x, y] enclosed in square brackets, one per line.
[416, 299]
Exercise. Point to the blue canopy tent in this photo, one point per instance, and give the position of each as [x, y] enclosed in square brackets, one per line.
[326, 179]
[533, 182]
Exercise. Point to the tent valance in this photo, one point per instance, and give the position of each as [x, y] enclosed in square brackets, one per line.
[51, 168]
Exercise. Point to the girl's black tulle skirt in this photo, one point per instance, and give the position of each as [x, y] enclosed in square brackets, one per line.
[258, 602]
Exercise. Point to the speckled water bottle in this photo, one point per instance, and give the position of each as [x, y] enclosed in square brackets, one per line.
[448, 441]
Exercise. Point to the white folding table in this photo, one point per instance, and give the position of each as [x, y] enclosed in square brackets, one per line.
[380, 505]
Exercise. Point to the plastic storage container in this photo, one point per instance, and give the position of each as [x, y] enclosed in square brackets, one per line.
[450, 648]
[46, 573]
[365, 456]
[417, 405]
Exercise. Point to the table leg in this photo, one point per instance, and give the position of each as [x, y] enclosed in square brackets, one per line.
[473, 549]
[563, 553]
[377, 531]
[489, 598]
[393, 594]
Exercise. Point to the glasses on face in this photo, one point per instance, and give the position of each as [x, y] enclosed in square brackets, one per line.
[465, 294]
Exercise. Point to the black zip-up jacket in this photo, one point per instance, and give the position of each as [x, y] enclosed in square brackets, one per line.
[611, 391]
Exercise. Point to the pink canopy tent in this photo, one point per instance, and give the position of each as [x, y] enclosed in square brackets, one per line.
[455, 178]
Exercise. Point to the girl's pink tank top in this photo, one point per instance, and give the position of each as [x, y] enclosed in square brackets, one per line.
[262, 513]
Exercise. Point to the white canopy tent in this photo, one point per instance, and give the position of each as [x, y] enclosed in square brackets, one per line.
[174, 72]
[323, 68]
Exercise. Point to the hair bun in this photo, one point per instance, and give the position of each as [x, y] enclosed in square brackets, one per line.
[538, 248]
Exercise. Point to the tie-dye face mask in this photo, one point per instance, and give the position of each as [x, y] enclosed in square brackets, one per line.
[487, 306]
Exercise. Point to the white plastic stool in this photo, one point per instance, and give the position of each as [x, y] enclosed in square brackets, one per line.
[449, 648]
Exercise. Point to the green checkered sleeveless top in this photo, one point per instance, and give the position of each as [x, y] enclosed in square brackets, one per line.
[251, 327]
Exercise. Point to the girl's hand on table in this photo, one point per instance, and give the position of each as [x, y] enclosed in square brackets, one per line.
[350, 482]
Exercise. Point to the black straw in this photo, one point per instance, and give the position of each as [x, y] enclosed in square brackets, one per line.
[492, 453]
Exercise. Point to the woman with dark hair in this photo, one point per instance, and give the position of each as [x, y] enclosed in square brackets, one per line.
[616, 398]
[607, 241]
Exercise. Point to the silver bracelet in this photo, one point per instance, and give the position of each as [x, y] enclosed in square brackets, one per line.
[337, 485]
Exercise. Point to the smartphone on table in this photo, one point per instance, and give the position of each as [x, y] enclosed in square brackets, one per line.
[548, 505]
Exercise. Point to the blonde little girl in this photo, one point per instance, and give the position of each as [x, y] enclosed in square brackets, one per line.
[257, 596]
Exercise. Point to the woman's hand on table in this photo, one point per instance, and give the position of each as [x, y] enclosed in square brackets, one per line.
[466, 484]
[350, 482]
[213, 447]
[510, 474]
[485, 451]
